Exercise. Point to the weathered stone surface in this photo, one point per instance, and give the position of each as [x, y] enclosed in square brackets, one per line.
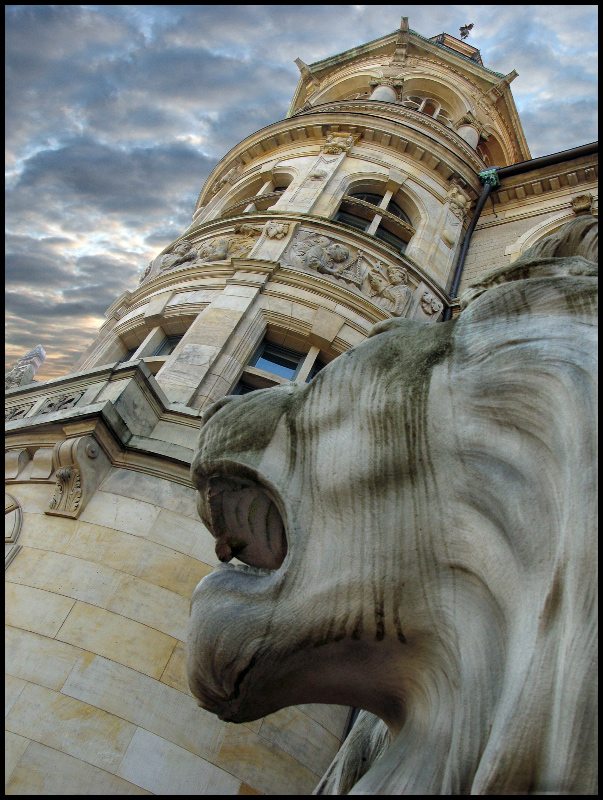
[436, 486]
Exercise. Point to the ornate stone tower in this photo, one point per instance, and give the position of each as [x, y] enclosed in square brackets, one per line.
[307, 233]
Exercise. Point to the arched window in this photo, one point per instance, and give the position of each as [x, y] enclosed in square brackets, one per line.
[428, 106]
[362, 217]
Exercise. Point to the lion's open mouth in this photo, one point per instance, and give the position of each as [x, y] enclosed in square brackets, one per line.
[245, 522]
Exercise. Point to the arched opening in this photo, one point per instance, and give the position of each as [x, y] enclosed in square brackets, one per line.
[359, 209]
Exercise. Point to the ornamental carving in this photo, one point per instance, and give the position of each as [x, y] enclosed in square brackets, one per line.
[235, 245]
[338, 143]
[390, 288]
[179, 253]
[582, 204]
[17, 412]
[23, 372]
[60, 403]
[313, 251]
[459, 202]
[471, 120]
[276, 230]
[231, 177]
[80, 465]
[388, 285]
[430, 305]
[68, 491]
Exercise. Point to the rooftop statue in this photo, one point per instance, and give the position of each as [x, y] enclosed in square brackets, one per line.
[417, 527]
[22, 374]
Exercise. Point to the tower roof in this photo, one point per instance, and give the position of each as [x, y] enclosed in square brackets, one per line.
[383, 45]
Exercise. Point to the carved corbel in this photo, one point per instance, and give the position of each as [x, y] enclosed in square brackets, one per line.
[79, 465]
[14, 462]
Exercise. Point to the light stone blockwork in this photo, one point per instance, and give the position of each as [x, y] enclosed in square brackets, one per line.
[347, 214]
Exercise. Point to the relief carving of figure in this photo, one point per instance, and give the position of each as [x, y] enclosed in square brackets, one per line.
[459, 202]
[393, 293]
[430, 304]
[418, 532]
[319, 253]
[178, 254]
[235, 245]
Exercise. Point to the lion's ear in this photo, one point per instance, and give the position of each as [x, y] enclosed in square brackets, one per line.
[403, 325]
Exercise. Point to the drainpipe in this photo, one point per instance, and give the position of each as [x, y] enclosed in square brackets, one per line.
[489, 180]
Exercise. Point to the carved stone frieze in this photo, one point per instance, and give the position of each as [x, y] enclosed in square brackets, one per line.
[430, 304]
[276, 230]
[233, 245]
[314, 251]
[388, 285]
[17, 412]
[24, 370]
[80, 465]
[390, 288]
[339, 142]
[60, 403]
[181, 252]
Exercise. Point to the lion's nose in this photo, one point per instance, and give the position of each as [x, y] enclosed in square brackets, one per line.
[209, 412]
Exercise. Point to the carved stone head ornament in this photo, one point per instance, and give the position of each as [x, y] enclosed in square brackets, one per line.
[417, 526]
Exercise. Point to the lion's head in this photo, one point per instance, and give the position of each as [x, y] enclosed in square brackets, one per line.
[419, 524]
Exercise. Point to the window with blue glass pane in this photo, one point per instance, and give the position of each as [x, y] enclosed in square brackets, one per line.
[278, 360]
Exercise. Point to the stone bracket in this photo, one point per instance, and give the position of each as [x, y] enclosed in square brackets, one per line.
[80, 465]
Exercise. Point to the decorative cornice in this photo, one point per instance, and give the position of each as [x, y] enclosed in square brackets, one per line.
[309, 128]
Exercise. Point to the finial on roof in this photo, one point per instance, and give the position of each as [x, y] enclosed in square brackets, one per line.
[306, 72]
[465, 30]
[401, 51]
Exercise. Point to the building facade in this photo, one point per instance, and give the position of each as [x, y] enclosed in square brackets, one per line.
[350, 211]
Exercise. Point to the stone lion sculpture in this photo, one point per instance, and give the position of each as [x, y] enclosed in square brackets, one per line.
[418, 531]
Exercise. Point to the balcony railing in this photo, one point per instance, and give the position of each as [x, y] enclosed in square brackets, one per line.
[260, 201]
[400, 228]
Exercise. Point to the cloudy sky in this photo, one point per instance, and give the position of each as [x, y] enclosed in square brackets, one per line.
[117, 114]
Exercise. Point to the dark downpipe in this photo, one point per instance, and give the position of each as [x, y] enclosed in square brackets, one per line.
[489, 179]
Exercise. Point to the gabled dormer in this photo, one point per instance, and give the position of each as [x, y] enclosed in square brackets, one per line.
[442, 77]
